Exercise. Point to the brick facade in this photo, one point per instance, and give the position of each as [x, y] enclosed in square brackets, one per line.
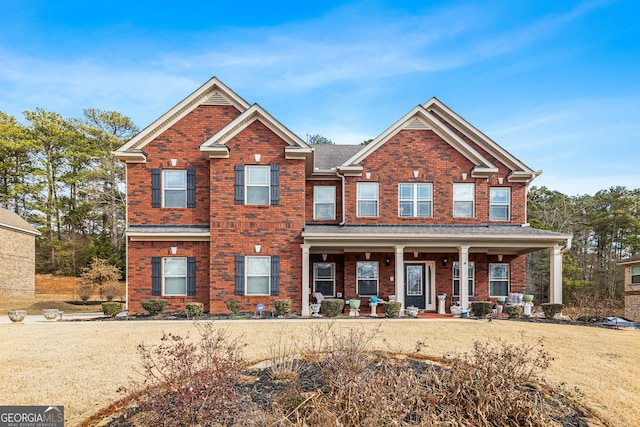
[631, 294]
[17, 258]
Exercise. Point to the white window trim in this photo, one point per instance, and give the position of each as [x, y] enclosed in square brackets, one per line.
[473, 199]
[414, 200]
[247, 185]
[165, 189]
[507, 204]
[377, 278]
[471, 278]
[333, 280]
[377, 200]
[508, 279]
[632, 275]
[315, 202]
[247, 275]
[164, 276]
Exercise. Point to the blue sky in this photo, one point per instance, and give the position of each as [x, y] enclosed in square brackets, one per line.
[555, 83]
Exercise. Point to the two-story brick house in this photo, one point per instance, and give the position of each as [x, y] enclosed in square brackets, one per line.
[224, 202]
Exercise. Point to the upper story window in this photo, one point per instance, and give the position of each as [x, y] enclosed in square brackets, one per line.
[499, 202]
[415, 200]
[499, 280]
[324, 202]
[367, 199]
[367, 278]
[257, 185]
[173, 188]
[456, 279]
[635, 275]
[463, 197]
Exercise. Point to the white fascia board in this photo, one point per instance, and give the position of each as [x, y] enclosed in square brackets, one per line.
[351, 170]
[478, 136]
[138, 236]
[130, 156]
[215, 152]
[33, 232]
[180, 110]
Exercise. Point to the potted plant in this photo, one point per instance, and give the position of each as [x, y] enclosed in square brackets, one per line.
[412, 311]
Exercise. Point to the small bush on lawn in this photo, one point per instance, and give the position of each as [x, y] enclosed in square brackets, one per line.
[331, 307]
[551, 309]
[233, 305]
[392, 308]
[480, 308]
[282, 306]
[194, 309]
[154, 306]
[111, 308]
[513, 311]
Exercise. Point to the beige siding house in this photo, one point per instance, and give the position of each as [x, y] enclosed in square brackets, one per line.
[17, 255]
[632, 288]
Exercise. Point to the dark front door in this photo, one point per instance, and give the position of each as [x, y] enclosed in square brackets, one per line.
[414, 289]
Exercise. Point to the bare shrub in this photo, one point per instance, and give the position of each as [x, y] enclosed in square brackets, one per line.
[187, 383]
[85, 290]
[282, 355]
[102, 275]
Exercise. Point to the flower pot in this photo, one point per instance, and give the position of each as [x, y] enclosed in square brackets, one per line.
[51, 313]
[527, 298]
[354, 304]
[315, 309]
[17, 315]
[412, 311]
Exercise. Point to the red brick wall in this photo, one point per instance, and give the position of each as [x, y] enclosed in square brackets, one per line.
[235, 229]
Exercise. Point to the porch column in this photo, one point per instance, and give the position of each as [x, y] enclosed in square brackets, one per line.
[555, 279]
[305, 280]
[400, 274]
[463, 252]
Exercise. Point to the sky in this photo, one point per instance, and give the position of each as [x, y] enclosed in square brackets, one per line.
[556, 83]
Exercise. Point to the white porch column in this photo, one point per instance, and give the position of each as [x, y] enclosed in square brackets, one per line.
[555, 279]
[306, 290]
[400, 274]
[463, 252]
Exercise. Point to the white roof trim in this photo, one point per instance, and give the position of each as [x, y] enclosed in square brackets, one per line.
[34, 231]
[466, 128]
[137, 236]
[255, 112]
[408, 121]
[213, 89]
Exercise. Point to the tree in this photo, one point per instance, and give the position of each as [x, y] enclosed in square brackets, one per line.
[16, 151]
[318, 139]
[103, 276]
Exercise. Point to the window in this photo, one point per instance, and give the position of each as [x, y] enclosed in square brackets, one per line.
[174, 274]
[367, 199]
[258, 185]
[635, 275]
[463, 200]
[324, 278]
[500, 200]
[456, 279]
[498, 280]
[415, 199]
[367, 278]
[324, 202]
[174, 186]
[258, 275]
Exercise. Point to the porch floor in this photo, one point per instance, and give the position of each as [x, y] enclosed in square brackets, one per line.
[365, 311]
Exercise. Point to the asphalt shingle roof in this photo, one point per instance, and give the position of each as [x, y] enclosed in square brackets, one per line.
[329, 156]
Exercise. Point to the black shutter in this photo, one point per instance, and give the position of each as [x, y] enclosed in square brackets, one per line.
[275, 275]
[191, 188]
[239, 275]
[156, 198]
[239, 184]
[191, 276]
[275, 184]
[156, 276]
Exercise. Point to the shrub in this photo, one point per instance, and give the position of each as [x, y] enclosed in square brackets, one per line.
[154, 306]
[550, 309]
[85, 290]
[481, 309]
[513, 311]
[103, 275]
[282, 306]
[233, 305]
[111, 308]
[331, 307]
[392, 308]
[194, 309]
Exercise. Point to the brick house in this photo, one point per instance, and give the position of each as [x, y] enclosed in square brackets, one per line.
[17, 255]
[224, 202]
[632, 288]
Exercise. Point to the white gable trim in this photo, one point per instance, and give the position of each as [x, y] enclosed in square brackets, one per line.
[421, 118]
[213, 92]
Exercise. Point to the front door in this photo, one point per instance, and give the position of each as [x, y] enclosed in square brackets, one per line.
[418, 285]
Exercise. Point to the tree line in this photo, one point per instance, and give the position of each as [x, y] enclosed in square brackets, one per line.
[59, 174]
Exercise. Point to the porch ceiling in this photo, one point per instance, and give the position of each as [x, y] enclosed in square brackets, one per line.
[491, 239]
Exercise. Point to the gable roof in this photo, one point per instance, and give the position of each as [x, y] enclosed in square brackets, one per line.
[13, 221]
[330, 156]
[213, 92]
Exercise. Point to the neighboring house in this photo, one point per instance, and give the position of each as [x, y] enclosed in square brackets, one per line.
[632, 288]
[224, 202]
[17, 255]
